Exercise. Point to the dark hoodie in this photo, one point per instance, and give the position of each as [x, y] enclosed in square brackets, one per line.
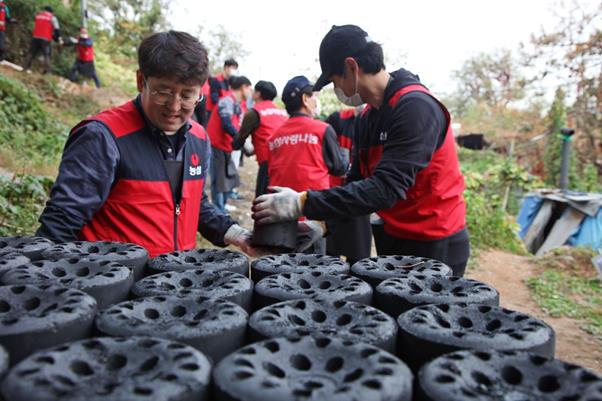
[415, 128]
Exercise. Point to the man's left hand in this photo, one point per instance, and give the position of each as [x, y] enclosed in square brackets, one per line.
[241, 237]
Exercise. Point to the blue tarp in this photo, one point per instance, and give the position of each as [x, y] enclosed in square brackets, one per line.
[589, 233]
[528, 211]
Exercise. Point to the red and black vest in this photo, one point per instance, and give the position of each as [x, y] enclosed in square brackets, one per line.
[2, 16]
[43, 26]
[140, 207]
[295, 155]
[344, 133]
[220, 139]
[434, 207]
[270, 119]
[85, 50]
[223, 91]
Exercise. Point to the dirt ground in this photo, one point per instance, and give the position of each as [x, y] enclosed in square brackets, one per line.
[507, 273]
[504, 271]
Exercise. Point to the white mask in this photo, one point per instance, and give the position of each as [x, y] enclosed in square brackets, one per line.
[318, 110]
[353, 100]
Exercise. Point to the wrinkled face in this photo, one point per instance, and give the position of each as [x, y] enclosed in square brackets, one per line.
[164, 101]
[311, 104]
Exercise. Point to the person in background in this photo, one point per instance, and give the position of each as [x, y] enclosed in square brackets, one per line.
[136, 173]
[219, 86]
[5, 19]
[351, 237]
[303, 153]
[84, 62]
[46, 29]
[223, 128]
[405, 165]
[260, 122]
[200, 111]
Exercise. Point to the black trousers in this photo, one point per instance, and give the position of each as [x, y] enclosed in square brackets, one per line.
[39, 46]
[261, 185]
[351, 238]
[2, 45]
[453, 250]
[85, 69]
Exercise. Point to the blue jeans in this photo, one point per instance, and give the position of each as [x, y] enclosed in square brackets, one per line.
[217, 198]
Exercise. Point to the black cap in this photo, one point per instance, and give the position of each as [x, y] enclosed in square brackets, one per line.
[49, 9]
[339, 43]
[294, 87]
[267, 89]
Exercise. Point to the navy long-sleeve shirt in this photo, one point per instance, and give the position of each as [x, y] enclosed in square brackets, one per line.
[87, 174]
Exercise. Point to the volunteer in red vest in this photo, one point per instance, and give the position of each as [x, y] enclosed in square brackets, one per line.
[260, 123]
[136, 173]
[223, 128]
[405, 167]
[303, 153]
[84, 62]
[46, 29]
[352, 237]
[219, 85]
[5, 19]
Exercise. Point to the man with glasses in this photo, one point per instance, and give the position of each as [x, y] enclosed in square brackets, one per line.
[136, 173]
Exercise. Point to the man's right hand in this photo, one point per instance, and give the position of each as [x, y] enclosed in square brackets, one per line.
[283, 204]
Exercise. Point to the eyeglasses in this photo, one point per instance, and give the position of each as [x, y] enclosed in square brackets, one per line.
[162, 98]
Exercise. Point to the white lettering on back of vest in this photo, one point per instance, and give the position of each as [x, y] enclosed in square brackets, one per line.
[293, 139]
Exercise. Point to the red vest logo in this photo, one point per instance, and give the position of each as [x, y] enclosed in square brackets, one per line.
[195, 168]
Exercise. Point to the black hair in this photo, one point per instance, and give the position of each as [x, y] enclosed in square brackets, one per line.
[294, 104]
[370, 59]
[267, 90]
[49, 9]
[231, 63]
[238, 82]
[174, 54]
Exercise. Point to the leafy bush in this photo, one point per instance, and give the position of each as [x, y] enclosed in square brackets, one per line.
[22, 199]
[488, 176]
[27, 131]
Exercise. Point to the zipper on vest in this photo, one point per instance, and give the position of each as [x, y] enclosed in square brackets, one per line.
[175, 226]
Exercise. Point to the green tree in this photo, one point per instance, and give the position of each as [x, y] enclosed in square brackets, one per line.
[221, 45]
[571, 52]
[124, 23]
[556, 119]
[493, 79]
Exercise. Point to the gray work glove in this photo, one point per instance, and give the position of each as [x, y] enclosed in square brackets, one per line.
[282, 204]
[241, 237]
[308, 232]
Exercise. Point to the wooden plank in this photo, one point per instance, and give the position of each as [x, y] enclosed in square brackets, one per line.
[534, 236]
[563, 228]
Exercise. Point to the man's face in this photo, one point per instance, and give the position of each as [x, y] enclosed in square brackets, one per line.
[347, 81]
[170, 116]
[247, 91]
[230, 71]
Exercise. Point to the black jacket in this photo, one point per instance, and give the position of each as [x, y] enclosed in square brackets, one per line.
[415, 126]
